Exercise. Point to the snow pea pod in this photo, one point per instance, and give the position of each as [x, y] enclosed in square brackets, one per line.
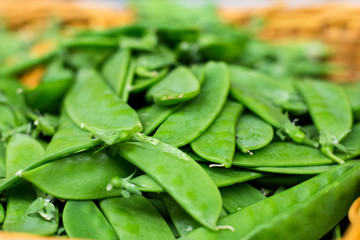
[221, 177]
[87, 109]
[317, 205]
[282, 94]
[11, 89]
[199, 113]
[141, 84]
[128, 82]
[135, 218]
[22, 151]
[173, 170]
[252, 133]
[282, 154]
[180, 85]
[217, 143]
[89, 174]
[351, 143]
[330, 111]
[115, 68]
[160, 58]
[239, 196]
[269, 112]
[17, 220]
[152, 116]
[181, 219]
[95, 227]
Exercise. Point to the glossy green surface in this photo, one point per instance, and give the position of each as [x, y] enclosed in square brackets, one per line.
[83, 219]
[217, 143]
[239, 196]
[282, 154]
[252, 133]
[80, 176]
[351, 143]
[89, 100]
[175, 172]
[316, 205]
[135, 218]
[16, 219]
[199, 113]
[180, 85]
[141, 84]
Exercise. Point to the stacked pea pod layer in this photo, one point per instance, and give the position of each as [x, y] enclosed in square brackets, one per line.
[158, 131]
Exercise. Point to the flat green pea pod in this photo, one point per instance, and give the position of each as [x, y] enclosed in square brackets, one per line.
[89, 174]
[12, 90]
[27, 64]
[351, 143]
[316, 205]
[352, 91]
[90, 99]
[198, 71]
[252, 133]
[174, 171]
[283, 93]
[22, 151]
[152, 116]
[180, 85]
[299, 170]
[199, 113]
[160, 58]
[130, 75]
[217, 143]
[282, 154]
[18, 219]
[87, 57]
[269, 112]
[135, 218]
[181, 219]
[141, 84]
[330, 111]
[95, 225]
[239, 196]
[115, 68]
[221, 177]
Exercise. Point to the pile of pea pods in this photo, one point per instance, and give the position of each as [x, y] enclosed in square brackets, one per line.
[175, 131]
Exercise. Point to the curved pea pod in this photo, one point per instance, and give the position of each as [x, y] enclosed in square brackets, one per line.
[22, 151]
[221, 177]
[317, 205]
[141, 84]
[174, 171]
[217, 143]
[81, 176]
[90, 100]
[199, 113]
[252, 133]
[152, 116]
[17, 219]
[115, 68]
[83, 219]
[180, 85]
[11, 88]
[269, 112]
[239, 196]
[282, 93]
[161, 57]
[330, 111]
[282, 154]
[135, 218]
[302, 170]
[181, 219]
[351, 143]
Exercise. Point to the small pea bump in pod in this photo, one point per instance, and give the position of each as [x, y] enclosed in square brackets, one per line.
[217, 143]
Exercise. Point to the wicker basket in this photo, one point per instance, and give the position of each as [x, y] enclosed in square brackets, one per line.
[336, 25]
